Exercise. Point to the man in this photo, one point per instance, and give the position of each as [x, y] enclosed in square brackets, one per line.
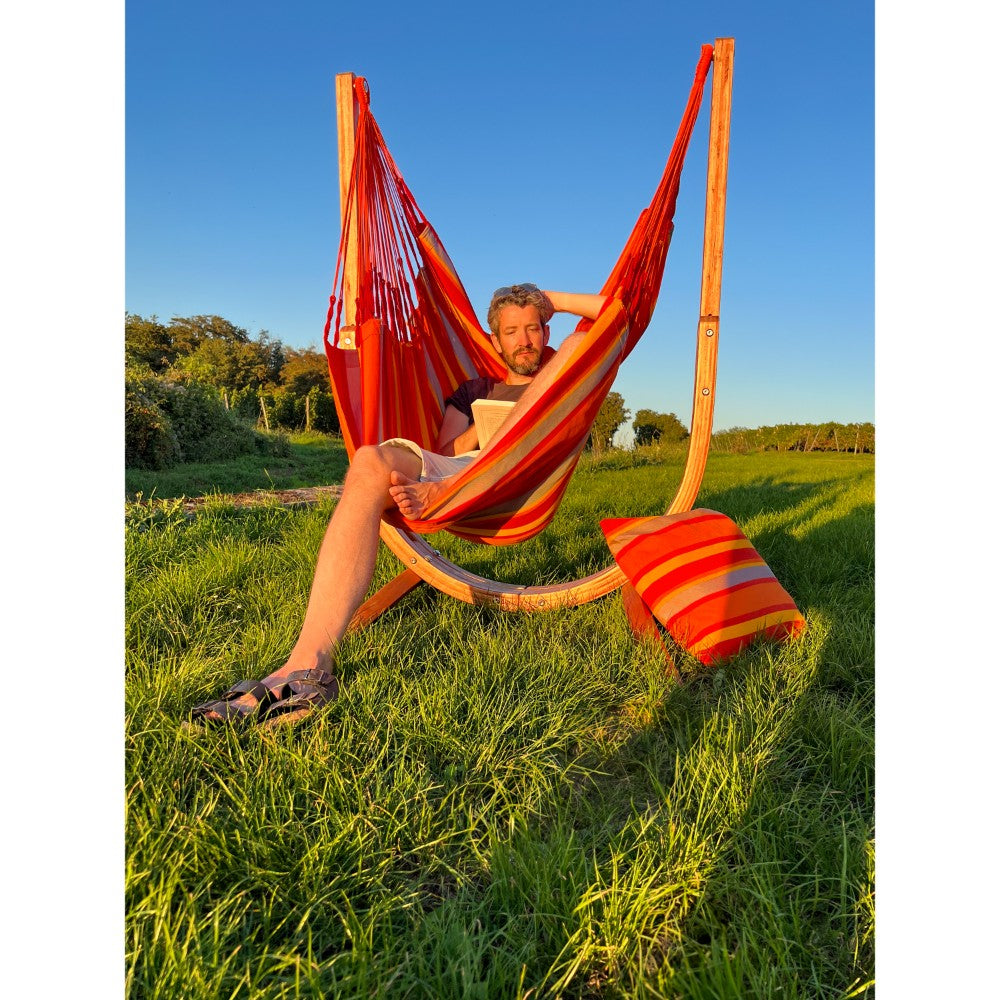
[400, 473]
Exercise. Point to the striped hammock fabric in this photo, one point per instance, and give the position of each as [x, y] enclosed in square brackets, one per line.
[415, 338]
[703, 580]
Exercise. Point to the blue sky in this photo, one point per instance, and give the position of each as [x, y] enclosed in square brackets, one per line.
[531, 138]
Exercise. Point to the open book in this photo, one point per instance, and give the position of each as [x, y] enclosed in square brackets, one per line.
[488, 415]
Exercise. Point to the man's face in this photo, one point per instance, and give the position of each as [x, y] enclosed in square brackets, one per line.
[521, 339]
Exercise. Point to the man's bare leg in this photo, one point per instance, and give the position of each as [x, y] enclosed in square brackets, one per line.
[346, 561]
[413, 498]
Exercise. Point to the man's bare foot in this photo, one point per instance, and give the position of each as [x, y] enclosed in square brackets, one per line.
[412, 497]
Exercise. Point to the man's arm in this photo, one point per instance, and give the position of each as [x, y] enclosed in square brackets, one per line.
[457, 434]
[577, 303]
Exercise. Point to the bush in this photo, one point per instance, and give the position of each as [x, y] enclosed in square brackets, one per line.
[245, 404]
[323, 411]
[150, 441]
[166, 423]
[287, 409]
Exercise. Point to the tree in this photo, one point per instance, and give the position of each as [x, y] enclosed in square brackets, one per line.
[830, 436]
[148, 343]
[650, 426]
[305, 369]
[610, 417]
[189, 332]
[232, 364]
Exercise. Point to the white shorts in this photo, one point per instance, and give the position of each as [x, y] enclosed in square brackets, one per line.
[434, 467]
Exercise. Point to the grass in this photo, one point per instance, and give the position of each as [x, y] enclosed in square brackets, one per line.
[506, 806]
[315, 460]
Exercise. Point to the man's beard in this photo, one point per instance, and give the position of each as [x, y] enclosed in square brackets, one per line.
[529, 361]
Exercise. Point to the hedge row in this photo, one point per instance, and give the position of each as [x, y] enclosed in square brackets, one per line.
[168, 422]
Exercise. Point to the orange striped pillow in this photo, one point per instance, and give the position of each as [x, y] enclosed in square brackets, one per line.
[703, 580]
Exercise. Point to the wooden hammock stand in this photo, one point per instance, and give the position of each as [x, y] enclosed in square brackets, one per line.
[422, 562]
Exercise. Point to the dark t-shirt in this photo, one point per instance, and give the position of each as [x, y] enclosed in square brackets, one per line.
[483, 388]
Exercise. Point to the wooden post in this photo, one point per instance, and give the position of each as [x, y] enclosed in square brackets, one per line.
[711, 278]
[263, 410]
[398, 587]
[347, 118]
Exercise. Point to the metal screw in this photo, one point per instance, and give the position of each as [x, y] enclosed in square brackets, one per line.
[709, 333]
[705, 392]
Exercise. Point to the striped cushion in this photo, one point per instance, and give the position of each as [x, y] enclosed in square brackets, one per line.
[703, 580]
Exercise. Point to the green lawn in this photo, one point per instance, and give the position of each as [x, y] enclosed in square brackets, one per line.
[315, 460]
[505, 805]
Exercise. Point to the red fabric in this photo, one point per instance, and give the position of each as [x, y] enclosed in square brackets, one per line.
[418, 338]
[704, 581]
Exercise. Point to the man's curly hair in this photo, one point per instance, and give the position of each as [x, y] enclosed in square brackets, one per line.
[518, 295]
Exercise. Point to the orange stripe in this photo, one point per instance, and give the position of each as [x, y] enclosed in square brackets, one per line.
[654, 567]
[683, 535]
[729, 609]
[749, 623]
[615, 527]
[771, 623]
[688, 599]
[695, 572]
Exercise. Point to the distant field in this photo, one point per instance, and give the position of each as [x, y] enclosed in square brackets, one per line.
[502, 806]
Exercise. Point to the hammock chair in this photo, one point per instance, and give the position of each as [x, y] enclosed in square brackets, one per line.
[401, 335]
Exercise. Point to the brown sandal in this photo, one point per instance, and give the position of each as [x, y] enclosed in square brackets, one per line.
[225, 709]
[302, 692]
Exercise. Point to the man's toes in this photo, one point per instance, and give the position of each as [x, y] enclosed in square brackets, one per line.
[407, 505]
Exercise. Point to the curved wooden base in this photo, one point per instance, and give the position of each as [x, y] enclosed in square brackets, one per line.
[418, 557]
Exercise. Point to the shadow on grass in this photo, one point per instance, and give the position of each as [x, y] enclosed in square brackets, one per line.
[745, 802]
[788, 829]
